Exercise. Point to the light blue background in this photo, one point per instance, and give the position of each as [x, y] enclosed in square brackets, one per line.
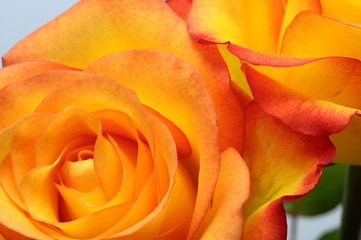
[18, 18]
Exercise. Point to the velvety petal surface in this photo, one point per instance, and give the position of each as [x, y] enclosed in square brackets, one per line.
[283, 164]
[94, 28]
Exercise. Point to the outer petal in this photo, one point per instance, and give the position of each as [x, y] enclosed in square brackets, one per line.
[30, 91]
[312, 35]
[225, 219]
[282, 163]
[95, 28]
[303, 112]
[304, 98]
[245, 23]
[21, 71]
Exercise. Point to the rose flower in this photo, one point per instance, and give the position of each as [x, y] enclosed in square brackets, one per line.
[115, 124]
[301, 60]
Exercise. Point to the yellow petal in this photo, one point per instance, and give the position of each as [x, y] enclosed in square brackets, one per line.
[344, 10]
[316, 41]
[247, 22]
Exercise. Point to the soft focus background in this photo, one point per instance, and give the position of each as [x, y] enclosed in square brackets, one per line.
[18, 18]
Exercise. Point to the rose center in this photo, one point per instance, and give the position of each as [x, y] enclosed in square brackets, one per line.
[78, 171]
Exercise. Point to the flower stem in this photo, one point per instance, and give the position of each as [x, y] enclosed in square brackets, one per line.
[351, 217]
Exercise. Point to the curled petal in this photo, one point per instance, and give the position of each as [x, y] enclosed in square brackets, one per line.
[299, 111]
[294, 160]
[225, 219]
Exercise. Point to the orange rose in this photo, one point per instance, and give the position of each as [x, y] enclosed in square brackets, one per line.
[139, 144]
[309, 52]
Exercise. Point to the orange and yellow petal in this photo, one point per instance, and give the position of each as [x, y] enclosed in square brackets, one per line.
[293, 8]
[304, 98]
[21, 71]
[246, 23]
[31, 91]
[299, 111]
[183, 88]
[96, 28]
[324, 37]
[225, 219]
[282, 163]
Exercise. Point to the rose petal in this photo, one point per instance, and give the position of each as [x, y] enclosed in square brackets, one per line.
[7, 181]
[110, 172]
[299, 111]
[40, 194]
[175, 182]
[182, 144]
[24, 70]
[181, 7]
[344, 10]
[30, 91]
[92, 29]
[70, 123]
[74, 204]
[234, 64]
[294, 159]
[226, 217]
[17, 220]
[294, 7]
[7, 233]
[245, 23]
[175, 84]
[312, 35]
[80, 175]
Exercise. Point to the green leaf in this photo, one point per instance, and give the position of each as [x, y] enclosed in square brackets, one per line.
[331, 235]
[325, 196]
